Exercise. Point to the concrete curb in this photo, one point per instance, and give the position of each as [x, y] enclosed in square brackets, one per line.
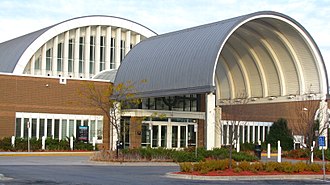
[232, 178]
[30, 154]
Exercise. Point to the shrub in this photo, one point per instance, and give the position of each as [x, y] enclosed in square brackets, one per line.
[299, 153]
[237, 170]
[299, 166]
[257, 166]
[314, 167]
[186, 167]
[286, 167]
[270, 166]
[244, 165]
[5, 144]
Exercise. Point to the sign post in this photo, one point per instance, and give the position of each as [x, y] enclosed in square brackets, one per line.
[322, 144]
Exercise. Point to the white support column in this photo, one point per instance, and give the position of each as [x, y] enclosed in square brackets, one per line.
[76, 53]
[217, 135]
[43, 59]
[243, 134]
[65, 64]
[128, 42]
[258, 136]
[249, 134]
[169, 133]
[38, 128]
[159, 135]
[107, 48]
[263, 133]
[253, 133]
[54, 63]
[87, 51]
[117, 48]
[179, 137]
[32, 64]
[97, 50]
[137, 39]
[210, 121]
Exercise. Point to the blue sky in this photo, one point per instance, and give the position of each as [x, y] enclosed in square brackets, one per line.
[18, 17]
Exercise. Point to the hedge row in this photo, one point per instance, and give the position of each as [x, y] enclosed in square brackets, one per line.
[218, 165]
[162, 154]
[35, 145]
[304, 153]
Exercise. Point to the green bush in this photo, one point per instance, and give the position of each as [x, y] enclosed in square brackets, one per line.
[299, 153]
[314, 167]
[244, 165]
[300, 166]
[78, 145]
[270, 166]
[257, 166]
[5, 144]
[186, 167]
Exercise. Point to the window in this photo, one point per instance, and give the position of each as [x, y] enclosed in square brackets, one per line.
[183, 137]
[155, 136]
[49, 128]
[18, 127]
[37, 64]
[56, 128]
[81, 54]
[174, 136]
[71, 55]
[145, 135]
[49, 53]
[91, 55]
[163, 138]
[92, 130]
[64, 128]
[26, 122]
[112, 53]
[71, 128]
[102, 53]
[41, 128]
[122, 50]
[34, 128]
[59, 56]
[99, 129]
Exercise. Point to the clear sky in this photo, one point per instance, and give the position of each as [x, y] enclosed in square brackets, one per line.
[18, 17]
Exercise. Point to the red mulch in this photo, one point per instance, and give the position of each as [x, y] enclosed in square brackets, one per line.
[229, 172]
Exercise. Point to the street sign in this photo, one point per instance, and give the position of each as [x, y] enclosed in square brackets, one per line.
[321, 140]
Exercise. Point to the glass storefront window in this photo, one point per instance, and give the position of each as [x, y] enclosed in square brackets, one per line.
[163, 136]
[64, 129]
[155, 136]
[174, 136]
[191, 135]
[34, 128]
[18, 127]
[183, 138]
[145, 135]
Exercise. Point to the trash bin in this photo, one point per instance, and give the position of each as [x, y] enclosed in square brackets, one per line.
[257, 151]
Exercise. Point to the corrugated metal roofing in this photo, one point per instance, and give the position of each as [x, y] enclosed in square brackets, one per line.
[182, 62]
[12, 50]
[108, 75]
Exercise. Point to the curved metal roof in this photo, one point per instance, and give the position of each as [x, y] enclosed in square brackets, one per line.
[16, 53]
[108, 75]
[264, 54]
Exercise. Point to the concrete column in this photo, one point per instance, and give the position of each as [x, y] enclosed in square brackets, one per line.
[65, 64]
[210, 121]
[169, 133]
[117, 48]
[137, 39]
[97, 50]
[127, 42]
[249, 133]
[87, 51]
[43, 59]
[54, 62]
[107, 48]
[76, 54]
[217, 135]
[243, 133]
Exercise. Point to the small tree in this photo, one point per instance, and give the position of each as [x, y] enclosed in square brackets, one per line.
[112, 100]
[280, 131]
[233, 110]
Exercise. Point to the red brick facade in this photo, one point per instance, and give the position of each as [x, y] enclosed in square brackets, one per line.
[41, 95]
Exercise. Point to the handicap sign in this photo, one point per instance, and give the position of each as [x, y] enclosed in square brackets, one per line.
[321, 140]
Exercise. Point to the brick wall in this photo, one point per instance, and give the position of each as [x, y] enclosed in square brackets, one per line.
[41, 95]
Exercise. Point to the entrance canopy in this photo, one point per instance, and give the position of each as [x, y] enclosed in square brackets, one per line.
[263, 54]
